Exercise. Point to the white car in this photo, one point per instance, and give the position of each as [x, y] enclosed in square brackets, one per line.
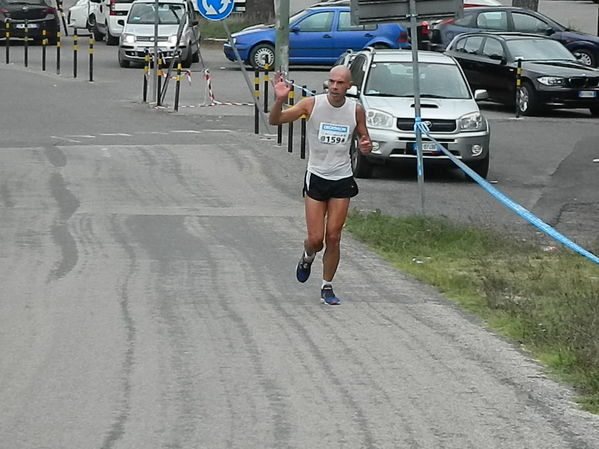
[174, 16]
[79, 13]
[105, 21]
[384, 87]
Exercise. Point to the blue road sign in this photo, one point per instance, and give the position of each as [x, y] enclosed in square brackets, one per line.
[215, 9]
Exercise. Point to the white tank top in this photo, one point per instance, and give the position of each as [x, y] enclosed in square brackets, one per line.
[329, 133]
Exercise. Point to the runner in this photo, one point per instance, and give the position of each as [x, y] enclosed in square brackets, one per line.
[328, 183]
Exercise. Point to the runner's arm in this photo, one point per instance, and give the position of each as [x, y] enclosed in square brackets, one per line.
[364, 142]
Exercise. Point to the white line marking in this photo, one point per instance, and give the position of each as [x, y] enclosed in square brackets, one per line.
[66, 139]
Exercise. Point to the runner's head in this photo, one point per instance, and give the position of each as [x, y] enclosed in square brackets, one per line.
[339, 82]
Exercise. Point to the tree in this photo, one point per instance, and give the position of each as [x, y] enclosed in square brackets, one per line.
[260, 10]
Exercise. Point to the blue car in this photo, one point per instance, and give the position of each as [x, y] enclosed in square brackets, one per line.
[317, 35]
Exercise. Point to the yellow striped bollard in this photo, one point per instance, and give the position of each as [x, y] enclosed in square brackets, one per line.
[58, 52]
[266, 67]
[159, 67]
[291, 101]
[146, 75]
[44, 43]
[26, 44]
[518, 86]
[75, 48]
[256, 101]
[177, 84]
[7, 36]
[91, 58]
[303, 129]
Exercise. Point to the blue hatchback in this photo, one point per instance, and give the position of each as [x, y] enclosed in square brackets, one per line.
[317, 35]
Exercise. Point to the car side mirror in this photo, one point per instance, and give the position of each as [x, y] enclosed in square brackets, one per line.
[481, 94]
[121, 22]
[352, 91]
[295, 29]
[496, 57]
[96, 1]
[548, 31]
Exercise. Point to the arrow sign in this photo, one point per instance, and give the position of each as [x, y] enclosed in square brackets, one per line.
[215, 9]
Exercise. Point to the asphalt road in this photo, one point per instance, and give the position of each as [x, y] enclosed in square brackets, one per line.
[149, 298]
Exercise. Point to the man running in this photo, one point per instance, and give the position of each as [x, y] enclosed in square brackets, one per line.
[328, 183]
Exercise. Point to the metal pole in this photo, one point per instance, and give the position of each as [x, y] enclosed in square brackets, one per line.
[282, 36]
[245, 75]
[416, 81]
[156, 89]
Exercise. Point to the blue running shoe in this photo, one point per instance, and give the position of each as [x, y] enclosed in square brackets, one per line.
[327, 296]
[303, 270]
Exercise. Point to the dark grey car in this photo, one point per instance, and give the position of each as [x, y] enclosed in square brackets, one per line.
[552, 77]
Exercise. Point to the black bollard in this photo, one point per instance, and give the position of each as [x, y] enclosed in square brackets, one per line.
[256, 100]
[75, 37]
[303, 129]
[177, 84]
[290, 130]
[26, 44]
[7, 41]
[44, 43]
[518, 85]
[146, 74]
[58, 52]
[266, 88]
[91, 58]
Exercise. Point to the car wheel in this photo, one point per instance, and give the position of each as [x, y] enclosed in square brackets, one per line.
[188, 58]
[110, 39]
[481, 168]
[594, 111]
[123, 62]
[585, 56]
[262, 55]
[527, 99]
[196, 57]
[360, 165]
[92, 26]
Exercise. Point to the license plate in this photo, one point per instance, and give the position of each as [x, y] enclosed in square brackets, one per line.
[427, 147]
[22, 25]
[587, 94]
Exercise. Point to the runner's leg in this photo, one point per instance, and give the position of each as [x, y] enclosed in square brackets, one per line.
[336, 210]
[315, 215]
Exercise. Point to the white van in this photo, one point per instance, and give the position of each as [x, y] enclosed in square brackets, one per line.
[104, 19]
[138, 31]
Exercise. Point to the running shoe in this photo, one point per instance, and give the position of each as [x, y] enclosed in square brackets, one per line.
[327, 296]
[303, 269]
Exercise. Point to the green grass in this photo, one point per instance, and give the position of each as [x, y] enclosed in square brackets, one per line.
[548, 301]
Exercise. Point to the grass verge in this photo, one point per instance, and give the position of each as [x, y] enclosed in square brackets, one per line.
[548, 301]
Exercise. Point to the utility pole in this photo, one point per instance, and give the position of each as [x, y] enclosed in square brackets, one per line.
[282, 36]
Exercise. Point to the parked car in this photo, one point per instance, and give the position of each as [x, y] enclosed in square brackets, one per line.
[138, 31]
[383, 84]
[551, 75]
[105, 20]
[317, 35]
[36, 15]
[79, 14]
[584, 46]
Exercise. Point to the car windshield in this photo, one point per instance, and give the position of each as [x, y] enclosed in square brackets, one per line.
[395, 79]
[168, 13]
[539, 50]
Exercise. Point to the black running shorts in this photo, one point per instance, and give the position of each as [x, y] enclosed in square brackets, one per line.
[321, 189]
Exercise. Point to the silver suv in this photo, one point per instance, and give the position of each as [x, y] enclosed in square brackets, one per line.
[384, 86]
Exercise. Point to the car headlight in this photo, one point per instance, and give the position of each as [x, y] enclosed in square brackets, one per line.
[471, 122]
[378, 119]
[551, 80]
[172, 40]
[128, 38]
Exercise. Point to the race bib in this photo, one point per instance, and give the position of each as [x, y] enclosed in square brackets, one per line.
[333, 134]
